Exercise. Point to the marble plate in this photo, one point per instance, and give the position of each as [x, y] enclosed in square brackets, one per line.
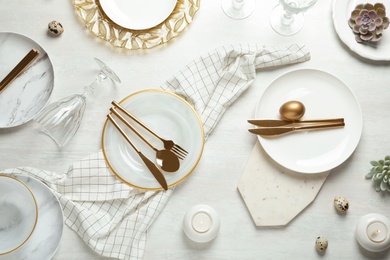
[341, 14]
[44, 242]
[136, 14]
[24, 98]
[324, 96]
[168, 115]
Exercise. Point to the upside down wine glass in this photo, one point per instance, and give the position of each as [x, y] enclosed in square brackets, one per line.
[287, 18]
[60, 120]
[238, 9]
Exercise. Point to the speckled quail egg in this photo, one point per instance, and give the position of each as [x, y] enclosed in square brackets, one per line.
[321, 243]
[341, 204]
[55, 28]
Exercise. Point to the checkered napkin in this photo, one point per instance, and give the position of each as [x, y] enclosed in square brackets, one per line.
[113, 218]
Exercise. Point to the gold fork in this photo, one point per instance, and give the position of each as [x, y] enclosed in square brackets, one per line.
[168, 144]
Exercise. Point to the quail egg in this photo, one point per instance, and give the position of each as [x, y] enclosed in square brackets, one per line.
[341, 204]
[55, 28]
[321, 243]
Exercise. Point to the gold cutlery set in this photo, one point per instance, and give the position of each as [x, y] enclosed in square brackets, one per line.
[166, 159]
[279, 127]
[19, 68]
[291, 112]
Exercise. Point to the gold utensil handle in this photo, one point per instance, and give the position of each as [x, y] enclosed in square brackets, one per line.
[132, 128]
[18, 69]
[115, 104]
[276, 122]
[272, 131]
[149, 164]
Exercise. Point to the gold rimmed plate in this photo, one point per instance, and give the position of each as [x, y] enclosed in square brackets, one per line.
[168, 115]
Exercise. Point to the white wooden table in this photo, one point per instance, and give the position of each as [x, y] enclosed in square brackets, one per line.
[227, 150]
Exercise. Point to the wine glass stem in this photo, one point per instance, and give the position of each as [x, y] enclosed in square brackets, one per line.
[89, 90]
[237, 4]
[288, 18]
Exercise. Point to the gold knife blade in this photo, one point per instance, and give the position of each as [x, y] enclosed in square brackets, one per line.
[18, 68]
[272, 131]
[276, 122]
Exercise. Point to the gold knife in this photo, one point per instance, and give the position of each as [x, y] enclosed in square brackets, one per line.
[272, 131]
[276, 122]
[151, 166]
[18, 68]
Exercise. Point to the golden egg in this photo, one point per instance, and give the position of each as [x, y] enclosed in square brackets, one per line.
[292, 110]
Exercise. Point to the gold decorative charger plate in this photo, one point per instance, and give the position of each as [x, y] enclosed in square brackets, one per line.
[102, 27]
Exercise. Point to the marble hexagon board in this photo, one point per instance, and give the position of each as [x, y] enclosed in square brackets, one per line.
[274, 195]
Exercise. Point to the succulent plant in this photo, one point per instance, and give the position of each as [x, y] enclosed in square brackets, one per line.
[380, 174]
[368, 22]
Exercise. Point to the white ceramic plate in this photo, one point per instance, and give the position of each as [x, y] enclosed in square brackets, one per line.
[169, 116]
[137, 14]
[24, 98]
[324, 96]
[44, 242]
[341, 13]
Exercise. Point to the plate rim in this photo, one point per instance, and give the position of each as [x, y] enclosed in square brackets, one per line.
[184, 176]
[108, 18]
[349, 42]
[47, 190]
[360, 115]
[52, 71]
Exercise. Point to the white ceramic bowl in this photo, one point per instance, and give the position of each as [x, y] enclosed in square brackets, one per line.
[18, 214]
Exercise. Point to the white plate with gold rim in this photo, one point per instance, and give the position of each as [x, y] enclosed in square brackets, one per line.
[168, 115]
[137, 14]
[341, 14]
[324, 96]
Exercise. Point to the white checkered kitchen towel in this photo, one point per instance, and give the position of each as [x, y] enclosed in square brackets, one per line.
[113, 218]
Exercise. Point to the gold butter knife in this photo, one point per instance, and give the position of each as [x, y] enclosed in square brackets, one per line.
[18, 69]
[272, 131]
[276, 122]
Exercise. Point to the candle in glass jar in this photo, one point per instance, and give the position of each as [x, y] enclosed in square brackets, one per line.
[372, 232]
[201, 223]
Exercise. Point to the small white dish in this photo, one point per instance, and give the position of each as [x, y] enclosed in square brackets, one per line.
[136, 14]
[18, 214]
[341, 14]
[25, 97]
[171, 117]
[324, 96]
[46, 238]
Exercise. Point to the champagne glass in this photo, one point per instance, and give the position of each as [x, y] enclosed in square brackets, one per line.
[287, 18]
[60, 120]
[238, 9]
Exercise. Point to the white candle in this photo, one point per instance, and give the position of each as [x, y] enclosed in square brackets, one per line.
[377, 232]
[201, 223]
[372, 232]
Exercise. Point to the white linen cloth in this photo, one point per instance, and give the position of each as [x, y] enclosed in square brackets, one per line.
[113, 218]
